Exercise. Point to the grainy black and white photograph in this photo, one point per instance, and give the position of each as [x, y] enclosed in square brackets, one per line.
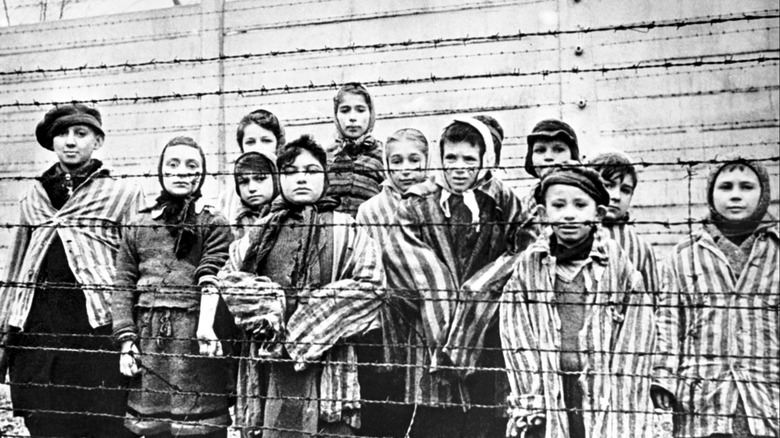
[389, 219]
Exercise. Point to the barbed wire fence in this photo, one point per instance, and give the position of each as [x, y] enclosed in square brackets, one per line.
[677, 88]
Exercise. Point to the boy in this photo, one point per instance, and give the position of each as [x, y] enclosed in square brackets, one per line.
[331, 276]
[573, 322]
[72, 219]
[620, 180]
[448, 228]
[718, 318]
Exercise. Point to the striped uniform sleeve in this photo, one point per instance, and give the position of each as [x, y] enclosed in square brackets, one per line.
[345, 307]
[669, 327]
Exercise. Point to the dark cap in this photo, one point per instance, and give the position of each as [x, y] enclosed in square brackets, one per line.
[63, 116]
[572, 173]
[551, 129]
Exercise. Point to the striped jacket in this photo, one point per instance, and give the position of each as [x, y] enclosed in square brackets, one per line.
[90, 227]
[423, 279]
[639, 252]
[719, 338]
[618, 337]
[345, 307]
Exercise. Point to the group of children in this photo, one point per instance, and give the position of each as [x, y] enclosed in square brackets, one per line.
[355, 291]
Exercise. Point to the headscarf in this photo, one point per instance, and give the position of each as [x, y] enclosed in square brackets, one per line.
[410, 135]
[739, 230]
[256, 163]
[483, 175]
[178, 212]
[353, 146]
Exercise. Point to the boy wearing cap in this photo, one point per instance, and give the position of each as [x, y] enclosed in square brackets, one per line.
[64, 379]
[620, 179]
[449, 228]
[573, 320]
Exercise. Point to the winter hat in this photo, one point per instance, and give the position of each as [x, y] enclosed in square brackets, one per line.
[256, 163]
[551, 129]
[737, 227]
[572, 173]
[63, 116]
[360, 90]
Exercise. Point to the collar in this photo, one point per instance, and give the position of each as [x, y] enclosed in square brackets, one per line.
[200, 205]
[599, 252]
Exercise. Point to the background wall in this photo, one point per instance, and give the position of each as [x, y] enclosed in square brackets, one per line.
[667, 82]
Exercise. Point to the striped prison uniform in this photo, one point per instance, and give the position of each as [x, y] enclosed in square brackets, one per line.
[332, 312]
[718, 335]
[617, 342]
[424, 279]
[89, 225]
[639, 251]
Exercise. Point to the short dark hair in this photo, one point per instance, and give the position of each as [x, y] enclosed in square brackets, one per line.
[613, 165]
[296, 147]
[458, 132]
[264, 119]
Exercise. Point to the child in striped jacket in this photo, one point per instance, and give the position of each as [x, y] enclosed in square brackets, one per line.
[718, 314]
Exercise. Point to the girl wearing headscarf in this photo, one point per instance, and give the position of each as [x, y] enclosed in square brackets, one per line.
[313, 280]
[258, 132]
[406, 164]
[355, 159]
[717, 365]
[165, 311]
[448, 229]
[256, 180]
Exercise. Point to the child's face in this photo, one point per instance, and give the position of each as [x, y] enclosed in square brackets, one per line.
[406, 163]
[572, 212]
[353, 115]
[461, 162]
[303, 180]
[736, 192]
[75, 144]
[182, 170]
[548, 152]
[621, 190]
[258, 139]
[255, 189]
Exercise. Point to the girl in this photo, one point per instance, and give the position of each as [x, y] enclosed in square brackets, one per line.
[256, 183]
[259, 131]
[330, 275]
[406, 164]
[168, 264]
[718, 314]
[355, 160]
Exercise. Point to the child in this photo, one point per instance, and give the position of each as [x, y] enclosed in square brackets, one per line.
[256, 181]
[620, 180]
[355, 160]
[447, 230]
[330, 273]
[718, 315]
[573, 322]
[406, 164]
[551, 142]
[62, 360]
[166, 270]
[259, 131]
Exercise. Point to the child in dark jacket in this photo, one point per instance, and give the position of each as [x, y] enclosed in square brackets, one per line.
[165, 308]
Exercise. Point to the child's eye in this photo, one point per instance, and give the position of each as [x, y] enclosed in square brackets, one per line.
[608, 184]
[450, 157]
[626, 190]
[243, 180]
[344, 109]
[747, 186]
[539, 149]
[249, 141]
[725, 186]
[260, 177]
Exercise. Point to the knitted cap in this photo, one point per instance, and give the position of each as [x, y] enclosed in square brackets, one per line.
[63, 116]
[551, 129]
[572, 173]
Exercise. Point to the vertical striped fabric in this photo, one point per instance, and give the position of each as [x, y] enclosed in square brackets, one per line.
[639, 252]
[719, 338]
[422, 276]
[618, 336]
[345, 307]
[89, 225]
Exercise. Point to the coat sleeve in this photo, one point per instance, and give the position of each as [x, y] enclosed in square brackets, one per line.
[345, 307]
[520, 341]
[418, 278]
[16, 253]
[127, 274]
[216, 242]
[669, 323]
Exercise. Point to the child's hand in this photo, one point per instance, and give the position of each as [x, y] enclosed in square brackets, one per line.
[662, 399]
[127, 361]
[208, 342]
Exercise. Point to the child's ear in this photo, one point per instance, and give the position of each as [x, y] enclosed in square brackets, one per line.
[601, 211]
[541, 213]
